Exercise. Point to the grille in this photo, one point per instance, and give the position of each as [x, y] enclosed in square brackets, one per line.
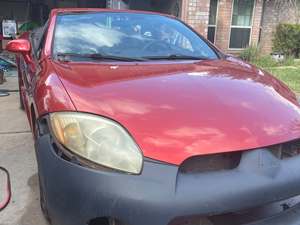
[286, 150]
[231, 160]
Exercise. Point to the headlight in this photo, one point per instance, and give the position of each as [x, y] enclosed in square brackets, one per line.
[98, 140]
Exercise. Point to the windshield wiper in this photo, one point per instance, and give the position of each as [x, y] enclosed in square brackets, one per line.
[96, 56]
[176, 57]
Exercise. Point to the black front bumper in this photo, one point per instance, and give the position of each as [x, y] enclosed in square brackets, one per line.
[75, 194]
[288, 217]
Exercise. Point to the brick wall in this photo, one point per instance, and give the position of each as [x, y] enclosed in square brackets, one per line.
[273, 15]
[223, 24]
[195, 13]
[256, 24]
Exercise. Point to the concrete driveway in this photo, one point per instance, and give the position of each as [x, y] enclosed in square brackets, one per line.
[17, 155]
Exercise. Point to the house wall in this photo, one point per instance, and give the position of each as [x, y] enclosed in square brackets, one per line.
[273, 15]
[224, 24]
[257, 18]
[196, 13]
[140, 5]
[172, 7]
[13, 10]
[20, 10]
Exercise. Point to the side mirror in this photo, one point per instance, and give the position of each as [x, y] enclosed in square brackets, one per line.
[5, 188]
[21, 46]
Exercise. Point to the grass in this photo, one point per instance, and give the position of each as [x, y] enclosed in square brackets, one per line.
[289, 75]
[288, 71]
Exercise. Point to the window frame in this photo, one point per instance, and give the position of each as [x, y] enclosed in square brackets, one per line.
[241, 27]
[215, 25]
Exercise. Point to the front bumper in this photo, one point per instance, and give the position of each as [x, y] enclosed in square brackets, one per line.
[75, 194]
[288, 217]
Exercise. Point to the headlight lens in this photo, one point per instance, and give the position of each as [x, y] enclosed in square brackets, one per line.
[97, 139]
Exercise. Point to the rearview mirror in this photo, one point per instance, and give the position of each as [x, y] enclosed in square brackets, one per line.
[5, 189]
[21, 46]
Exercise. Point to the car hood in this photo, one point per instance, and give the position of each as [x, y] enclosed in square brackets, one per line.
[175, 110]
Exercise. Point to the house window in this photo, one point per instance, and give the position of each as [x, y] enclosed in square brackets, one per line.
[212, 23]
[241, 24]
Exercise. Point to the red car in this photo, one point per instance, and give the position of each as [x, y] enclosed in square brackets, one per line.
[138, 120]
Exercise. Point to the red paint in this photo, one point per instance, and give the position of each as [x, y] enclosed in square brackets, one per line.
[174, 110]
[7, 194]
[18, 45]
[50, 94]
[23, 47]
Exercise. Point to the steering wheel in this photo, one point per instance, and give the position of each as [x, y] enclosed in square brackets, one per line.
[157, 45]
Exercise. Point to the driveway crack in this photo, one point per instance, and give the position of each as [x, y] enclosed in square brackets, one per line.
[15, 132]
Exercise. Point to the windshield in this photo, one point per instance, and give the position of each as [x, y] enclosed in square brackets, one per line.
[122, 34]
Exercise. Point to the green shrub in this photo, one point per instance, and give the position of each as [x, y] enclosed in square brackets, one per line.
[253, 56]
[288, 61]
[287, 39]
[249, 54]
[265, 61]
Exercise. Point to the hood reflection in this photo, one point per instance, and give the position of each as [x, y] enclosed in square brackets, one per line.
[178, 110]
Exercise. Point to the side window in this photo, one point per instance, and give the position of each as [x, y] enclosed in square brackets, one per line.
[37, 39]
[41, 45]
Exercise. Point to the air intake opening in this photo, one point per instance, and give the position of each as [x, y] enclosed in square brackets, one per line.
[286, 150]
[215, 162]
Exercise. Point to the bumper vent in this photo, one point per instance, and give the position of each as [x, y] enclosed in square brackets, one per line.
[231, 160]
[286, 150]
[215, 162]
